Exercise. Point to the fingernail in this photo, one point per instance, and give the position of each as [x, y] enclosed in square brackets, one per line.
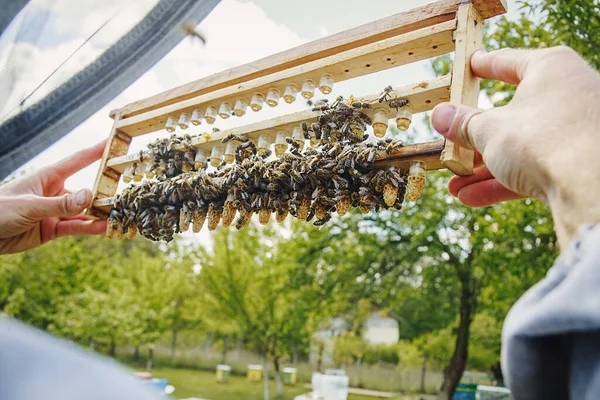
[443, 115]
[81, 197]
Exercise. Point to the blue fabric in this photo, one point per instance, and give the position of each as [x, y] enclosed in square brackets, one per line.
[35, 365]
[551, 337]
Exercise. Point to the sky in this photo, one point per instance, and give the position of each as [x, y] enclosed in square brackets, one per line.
[237, 32]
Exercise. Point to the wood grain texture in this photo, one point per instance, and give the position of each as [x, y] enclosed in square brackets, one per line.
[107, 178]
[428, 152]
[490, 8]
[465, 85]
[372, 32]
[388, 53]
[423, 97]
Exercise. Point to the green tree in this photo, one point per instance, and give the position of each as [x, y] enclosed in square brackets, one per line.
[246, 280]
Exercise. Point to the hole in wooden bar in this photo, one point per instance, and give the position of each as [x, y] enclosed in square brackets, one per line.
[388, 59]
[410, 53]
[428, 101]
[346, 70]
[368, 65]
[434, 47]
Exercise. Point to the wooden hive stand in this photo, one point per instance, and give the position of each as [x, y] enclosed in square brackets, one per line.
[433, 30]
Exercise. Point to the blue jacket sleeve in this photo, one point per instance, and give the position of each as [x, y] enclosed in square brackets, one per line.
[35, 365]
[551, 337]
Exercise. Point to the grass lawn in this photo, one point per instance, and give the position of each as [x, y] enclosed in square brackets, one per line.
[193, 383]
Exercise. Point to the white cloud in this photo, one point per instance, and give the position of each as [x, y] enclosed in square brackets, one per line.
[30, 65]
[323, 31]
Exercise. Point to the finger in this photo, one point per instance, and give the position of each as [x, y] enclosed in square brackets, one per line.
[78, 161]
[80, 228]
[68, 205]
[456, 183]
[507, 65]
[456, 124]
[80, 217]
[485, 193]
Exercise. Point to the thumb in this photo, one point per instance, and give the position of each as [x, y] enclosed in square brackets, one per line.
[66, 205]
[454, 122]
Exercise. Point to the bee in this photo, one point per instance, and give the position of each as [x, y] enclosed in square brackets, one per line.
[295, 145]
[361, 104]
[235, 137]
[385, 94]
[322, 221]
[338, 101]
[315, 126]
[321, 108]
[318, 103]
[189, 28]
[397, 103]
[332, 175]
[305, 130]
[393, 146]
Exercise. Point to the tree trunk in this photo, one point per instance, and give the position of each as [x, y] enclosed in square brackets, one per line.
[208, 343]
[320, 357]
[278, 384]
[265, 372]
[150, 362]
[294, 356]
[359, 365]
[224, 353]
[423, 372]
[453, 372]
[112, 349]
[136, 352]
[240, 339]
[173, 343]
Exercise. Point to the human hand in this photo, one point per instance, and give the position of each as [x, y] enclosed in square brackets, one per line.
[37, 208]
[542, 144]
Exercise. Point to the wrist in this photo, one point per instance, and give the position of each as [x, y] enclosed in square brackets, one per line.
[571, 209]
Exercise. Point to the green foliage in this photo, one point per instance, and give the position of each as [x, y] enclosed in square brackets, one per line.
[251, 285]
[541, 24]
[484, 344]
[347, 349]
[95, 290]
[574, 23]
[382, 353]
[409, 354]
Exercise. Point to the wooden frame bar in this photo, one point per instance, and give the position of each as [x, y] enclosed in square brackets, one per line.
[107, 179]
[465, 86]
[422, 97]
[394, 25]
[435, 29]
[396, 51]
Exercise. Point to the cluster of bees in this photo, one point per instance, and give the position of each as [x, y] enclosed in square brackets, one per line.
[310, 183]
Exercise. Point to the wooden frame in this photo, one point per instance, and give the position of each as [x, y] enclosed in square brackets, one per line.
[435, 29]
